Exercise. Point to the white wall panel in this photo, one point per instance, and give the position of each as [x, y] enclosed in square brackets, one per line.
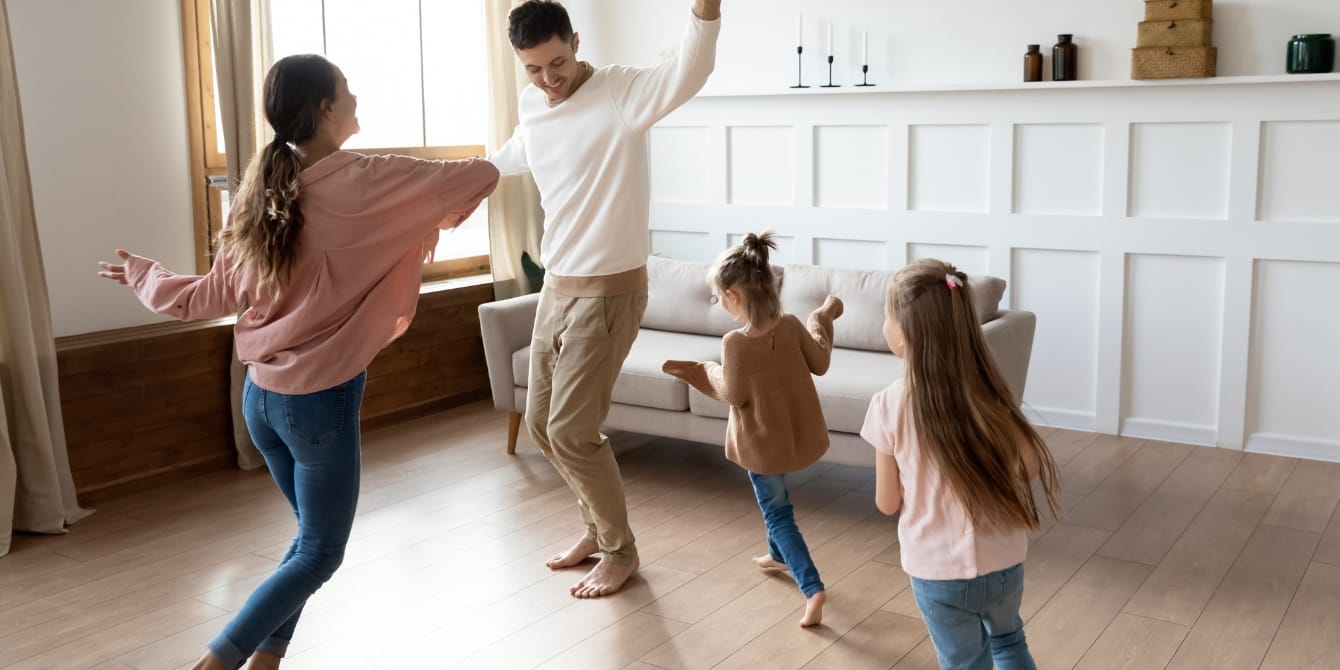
[762, 166]
[1061, 287]
[1058, 169]
[679, 165]
[1174, 324]
[1180, 170]
[1293, 398]
[949, 168]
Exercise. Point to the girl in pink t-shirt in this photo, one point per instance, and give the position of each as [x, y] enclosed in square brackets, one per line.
[956, 459]
[324, 249]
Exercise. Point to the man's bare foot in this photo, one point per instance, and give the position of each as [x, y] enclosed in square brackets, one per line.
[765, 561]
[263, 660]
[606, 578]
[579, 552]
[814, 610]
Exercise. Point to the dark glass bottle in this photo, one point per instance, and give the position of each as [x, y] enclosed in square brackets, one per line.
[1064, 59]
[1033, 63]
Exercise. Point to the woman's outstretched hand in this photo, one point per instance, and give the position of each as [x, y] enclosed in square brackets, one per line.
[116, 273]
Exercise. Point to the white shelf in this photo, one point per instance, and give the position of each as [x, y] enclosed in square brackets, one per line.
[851, 89]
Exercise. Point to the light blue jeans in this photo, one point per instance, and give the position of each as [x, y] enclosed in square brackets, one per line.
[974, 622]
[311, 444]
[785, 543]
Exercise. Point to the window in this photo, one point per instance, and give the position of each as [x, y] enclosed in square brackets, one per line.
[418, 68]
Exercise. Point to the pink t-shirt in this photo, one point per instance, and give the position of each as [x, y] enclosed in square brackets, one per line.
[368, 224]
[937, 539]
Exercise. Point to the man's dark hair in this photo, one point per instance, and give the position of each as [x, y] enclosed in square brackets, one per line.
[534, 22]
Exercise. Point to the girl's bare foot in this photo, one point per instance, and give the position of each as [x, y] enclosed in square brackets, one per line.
[263, 660]
[765, 561]
[814, 610]
[606, 578]
[579, 552]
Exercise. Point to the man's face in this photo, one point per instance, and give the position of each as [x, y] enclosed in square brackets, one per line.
[552, 67]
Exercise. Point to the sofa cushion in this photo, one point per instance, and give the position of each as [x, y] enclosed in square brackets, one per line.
[853, 378]
[988, 292]
[679, 299]
[641, 381]
[862, 293]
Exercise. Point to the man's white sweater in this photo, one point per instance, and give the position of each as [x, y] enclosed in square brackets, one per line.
[588, 155]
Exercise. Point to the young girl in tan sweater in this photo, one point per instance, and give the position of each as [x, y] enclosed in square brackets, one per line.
[776, 425]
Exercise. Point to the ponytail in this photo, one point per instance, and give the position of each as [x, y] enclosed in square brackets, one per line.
[266, 222]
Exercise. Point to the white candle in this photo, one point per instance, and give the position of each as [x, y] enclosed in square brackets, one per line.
[800, 30]
[830, 38]
[865, 47]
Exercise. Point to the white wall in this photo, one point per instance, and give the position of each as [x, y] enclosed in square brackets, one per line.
[102, 90]
[1179, 243]
[922, 42]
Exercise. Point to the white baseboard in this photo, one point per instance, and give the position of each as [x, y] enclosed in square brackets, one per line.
[1059, 418]
[1292, 445]
[1170, 431]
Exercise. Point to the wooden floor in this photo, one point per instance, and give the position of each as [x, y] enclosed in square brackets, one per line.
[1169, 556]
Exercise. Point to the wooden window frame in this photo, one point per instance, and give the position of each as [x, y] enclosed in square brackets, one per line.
[209, 165]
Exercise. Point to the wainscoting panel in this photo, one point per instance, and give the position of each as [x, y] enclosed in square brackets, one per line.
[688, 246]
[762, 166]
[1297, 183]
[1293, 397]
[1061, 287]
[851, 167]
[969, 259]
[1180, 170]
[850, 254]
[1174, 324]
[679, 161]
[1058, 169]
[949, 168]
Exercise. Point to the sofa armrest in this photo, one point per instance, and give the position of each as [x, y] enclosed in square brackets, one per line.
[1010, 336]
[507, 327]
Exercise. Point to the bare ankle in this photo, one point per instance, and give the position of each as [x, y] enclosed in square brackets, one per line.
[814, 610]
[263, 660]
[209, 662]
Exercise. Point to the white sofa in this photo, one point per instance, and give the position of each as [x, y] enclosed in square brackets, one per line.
[683, 322]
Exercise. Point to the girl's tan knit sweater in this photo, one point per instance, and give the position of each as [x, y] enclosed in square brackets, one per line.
[776, 425]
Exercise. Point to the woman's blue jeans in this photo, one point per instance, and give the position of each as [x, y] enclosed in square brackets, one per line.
[311, 445]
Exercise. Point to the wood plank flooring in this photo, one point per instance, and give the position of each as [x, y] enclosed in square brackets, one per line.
[1168, 556]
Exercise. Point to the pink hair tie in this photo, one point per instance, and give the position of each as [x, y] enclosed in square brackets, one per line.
[952, 281]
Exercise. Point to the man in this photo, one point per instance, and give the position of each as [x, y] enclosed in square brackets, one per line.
[583, 137]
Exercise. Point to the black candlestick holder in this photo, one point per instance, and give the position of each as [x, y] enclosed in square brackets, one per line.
[800, 62]
[865, 72]
[830, 83]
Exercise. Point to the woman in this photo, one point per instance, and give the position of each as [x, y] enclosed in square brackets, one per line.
[324, 248]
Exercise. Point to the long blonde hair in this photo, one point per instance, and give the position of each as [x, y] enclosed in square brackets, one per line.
[266, 220]
[745, 269]
[966, 419]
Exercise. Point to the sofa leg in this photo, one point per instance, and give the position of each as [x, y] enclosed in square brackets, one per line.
[513, 427]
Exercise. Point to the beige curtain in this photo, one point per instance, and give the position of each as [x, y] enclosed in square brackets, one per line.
[516, 221]
[36, 488]
[241, 54]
